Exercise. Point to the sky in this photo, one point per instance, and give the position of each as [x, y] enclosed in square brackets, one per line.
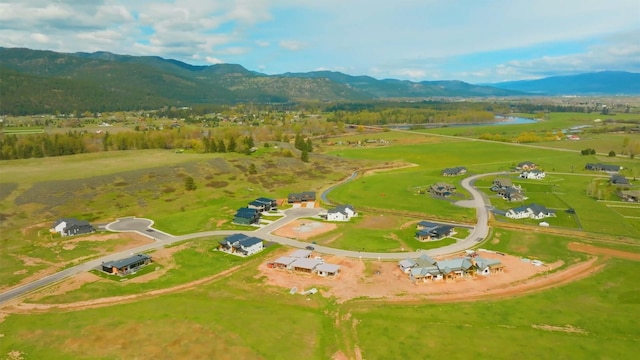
[469, 40]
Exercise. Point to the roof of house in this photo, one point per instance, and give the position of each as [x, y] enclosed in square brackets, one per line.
[453, 170]
[249, 241]
[455, 264]
[503, 181]
[285, 260]
[71, 222]
[483, 262]
[535, 208]
[407, 263]
[265, 200]
[528, 163]
[442, 230]
[305, 263]
[424, 270]
[425, 260]
[300, 253]
[427, 224]
[233, 238]
[245, 210]
[330, 268]
[341, 209]
[619, 179]
[119, 264]
[257, 203]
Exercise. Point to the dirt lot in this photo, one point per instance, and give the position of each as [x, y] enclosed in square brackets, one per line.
[304, 229]
[373, 279]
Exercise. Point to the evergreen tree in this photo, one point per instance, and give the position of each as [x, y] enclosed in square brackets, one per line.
[232, 144]
[221, 146]
[304, 156]
[309, 146]
[189, 184]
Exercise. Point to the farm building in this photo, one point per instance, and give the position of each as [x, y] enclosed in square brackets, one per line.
[454, 171]
[533, 211]
[72, 226]
[341, 213]
[602, 167]
[240, 244]
[126, 266]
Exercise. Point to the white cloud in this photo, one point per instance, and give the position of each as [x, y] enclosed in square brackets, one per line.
[212, 60]
[292, 45]
[262, 43]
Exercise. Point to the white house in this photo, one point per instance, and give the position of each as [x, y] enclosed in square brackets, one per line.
[532, 211]
[341, 213]
[71, 226]
[533, 174]
[240, 244]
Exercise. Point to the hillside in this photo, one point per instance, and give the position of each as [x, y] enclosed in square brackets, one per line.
[598, 83]
[35, 81]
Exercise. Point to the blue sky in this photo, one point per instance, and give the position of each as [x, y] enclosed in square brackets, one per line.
[468, 40]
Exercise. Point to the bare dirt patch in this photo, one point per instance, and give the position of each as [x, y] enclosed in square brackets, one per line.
[384, 280]
[566, 328]
[594, 250]
[378, 222]
[304, 229]
[70, 284]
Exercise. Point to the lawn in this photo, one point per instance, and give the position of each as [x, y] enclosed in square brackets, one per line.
[566, 322]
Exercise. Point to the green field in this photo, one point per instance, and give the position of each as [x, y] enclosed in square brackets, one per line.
[241, 316]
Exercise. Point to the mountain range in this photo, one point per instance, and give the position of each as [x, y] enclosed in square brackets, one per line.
[36, 81]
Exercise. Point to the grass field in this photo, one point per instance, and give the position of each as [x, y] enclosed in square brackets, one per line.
[240, 317]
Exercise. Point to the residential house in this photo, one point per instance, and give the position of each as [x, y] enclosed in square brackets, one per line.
[72, 226]
[283, 262]
[442, 189]
[602, 167]
[301, 254]
[617, 179]
[511, 194]
[240, 244]
[425, 268]
[430, 231]
[532, 211]
[327, 269]
[454, 171]
[630, 195]
[260, 206]
[246, 216]
[305, 265]
[126, 266]
[270, 204]
[501, 183]
[526, 165]
[341, 213]
[536, 174]
[301, 197]
[486, 267]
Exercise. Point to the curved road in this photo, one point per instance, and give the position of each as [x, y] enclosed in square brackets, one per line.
[161, 239]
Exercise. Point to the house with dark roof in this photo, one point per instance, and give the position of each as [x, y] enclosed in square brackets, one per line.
[301, 197]
[433, 231]
[126, 266]
[341, 213]
[72, 226]
[532, 211]
[246, 216]
[617, 179]
[442, 189]
[270, 204]
[602, 167]
[454, 171]
[240, 244]
[260, 206]
[511, 194]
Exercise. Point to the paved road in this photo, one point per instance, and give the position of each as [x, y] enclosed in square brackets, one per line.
[161, 239]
